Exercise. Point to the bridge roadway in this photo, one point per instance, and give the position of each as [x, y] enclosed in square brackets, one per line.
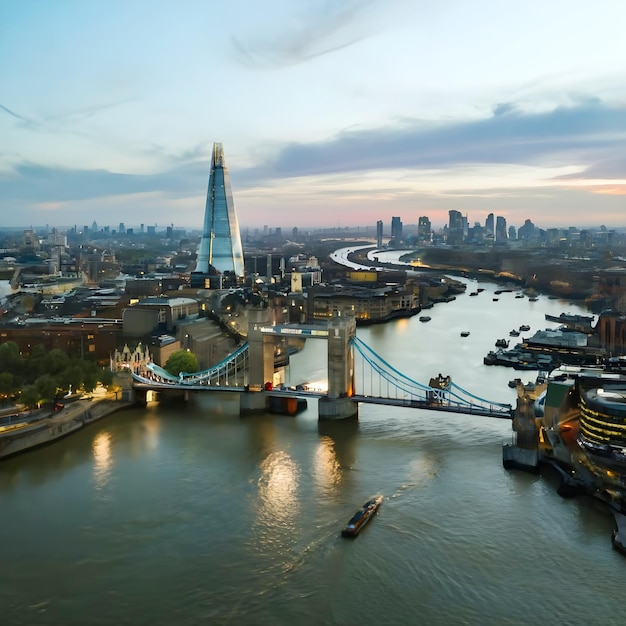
[412, 403]
[467, 409]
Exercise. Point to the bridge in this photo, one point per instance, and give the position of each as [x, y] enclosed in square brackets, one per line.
[249, 371]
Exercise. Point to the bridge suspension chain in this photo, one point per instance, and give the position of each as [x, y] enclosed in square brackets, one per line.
[451, 393]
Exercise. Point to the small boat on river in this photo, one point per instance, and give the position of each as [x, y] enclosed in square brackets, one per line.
[425, 318]
[465, 333]
[361, 517]
[502, 343]
[524, 327]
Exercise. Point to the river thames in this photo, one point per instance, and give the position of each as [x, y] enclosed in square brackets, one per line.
[189, 514]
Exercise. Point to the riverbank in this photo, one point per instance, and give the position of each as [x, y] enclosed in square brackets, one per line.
[22, 437]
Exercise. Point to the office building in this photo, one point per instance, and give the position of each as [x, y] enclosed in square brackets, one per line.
[220, 247]
[423, 229]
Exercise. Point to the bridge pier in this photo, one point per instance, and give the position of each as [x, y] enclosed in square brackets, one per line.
[253, 402]
[128, 393]
[337, 409]
[338, 403]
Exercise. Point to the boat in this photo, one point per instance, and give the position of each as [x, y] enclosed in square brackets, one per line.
[581, 323]
[533, 299]
[514, 333]
[495, 299]
[425, 318]
[515, 382]
[465, 333]
[524, 327]
[474, 293]
[361, 517]
[502, 343]
[519, 295]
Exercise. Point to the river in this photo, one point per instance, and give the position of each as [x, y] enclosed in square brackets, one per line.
[188, 514]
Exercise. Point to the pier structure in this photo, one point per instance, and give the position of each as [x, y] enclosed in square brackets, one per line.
[338, 403]
[340, 333]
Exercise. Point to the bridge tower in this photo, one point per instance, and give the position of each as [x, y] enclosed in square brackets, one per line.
[338, 404]
[260, 359]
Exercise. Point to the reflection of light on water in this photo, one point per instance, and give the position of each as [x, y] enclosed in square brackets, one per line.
[401, 325]
[326, 467]
[152, 428]
[278, 488]
[102, 457]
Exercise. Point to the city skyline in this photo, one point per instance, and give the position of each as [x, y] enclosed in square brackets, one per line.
[332, 114]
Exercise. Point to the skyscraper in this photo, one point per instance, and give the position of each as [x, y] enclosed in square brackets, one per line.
[423, 229]
[396, 228]
[456, 227]
[379, 234]
[220, 246]
[501, 235]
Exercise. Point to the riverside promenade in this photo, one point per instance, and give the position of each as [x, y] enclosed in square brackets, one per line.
[23, 436]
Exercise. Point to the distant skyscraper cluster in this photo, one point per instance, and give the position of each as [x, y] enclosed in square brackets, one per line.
[456, 232]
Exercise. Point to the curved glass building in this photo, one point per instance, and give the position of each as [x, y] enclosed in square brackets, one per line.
[220, 246]
[603, 419]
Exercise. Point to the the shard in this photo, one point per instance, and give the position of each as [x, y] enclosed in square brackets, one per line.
[220, 247]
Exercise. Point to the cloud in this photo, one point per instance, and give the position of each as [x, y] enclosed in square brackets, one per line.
[65, 122]
[39, 183]
[320, 32]
[612, 167]
[583, 134]
[396, 163]
[23, 119]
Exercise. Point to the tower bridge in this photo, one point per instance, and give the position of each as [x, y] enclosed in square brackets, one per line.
[249, 372]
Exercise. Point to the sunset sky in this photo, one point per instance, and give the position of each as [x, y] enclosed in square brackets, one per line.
[331, 112]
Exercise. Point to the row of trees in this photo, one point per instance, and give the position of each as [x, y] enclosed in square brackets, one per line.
[43, 376]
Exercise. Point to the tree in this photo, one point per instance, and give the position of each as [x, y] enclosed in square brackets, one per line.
[91, 374]
[6, 384]
[36, 363]
[71, 377]
[106, 377]
[46, 387]
[11, 361]
[56, 361]
[9, 355]
[30, 396]
[181, 361]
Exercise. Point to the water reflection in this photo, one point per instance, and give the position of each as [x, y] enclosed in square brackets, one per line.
[343, 435]
[327, 470]
[152, 426]
[278, 490]
[103, 459]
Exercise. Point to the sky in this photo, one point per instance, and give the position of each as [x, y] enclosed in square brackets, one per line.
[332, 113]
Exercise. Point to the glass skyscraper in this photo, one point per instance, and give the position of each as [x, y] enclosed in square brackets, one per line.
[220, 246]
